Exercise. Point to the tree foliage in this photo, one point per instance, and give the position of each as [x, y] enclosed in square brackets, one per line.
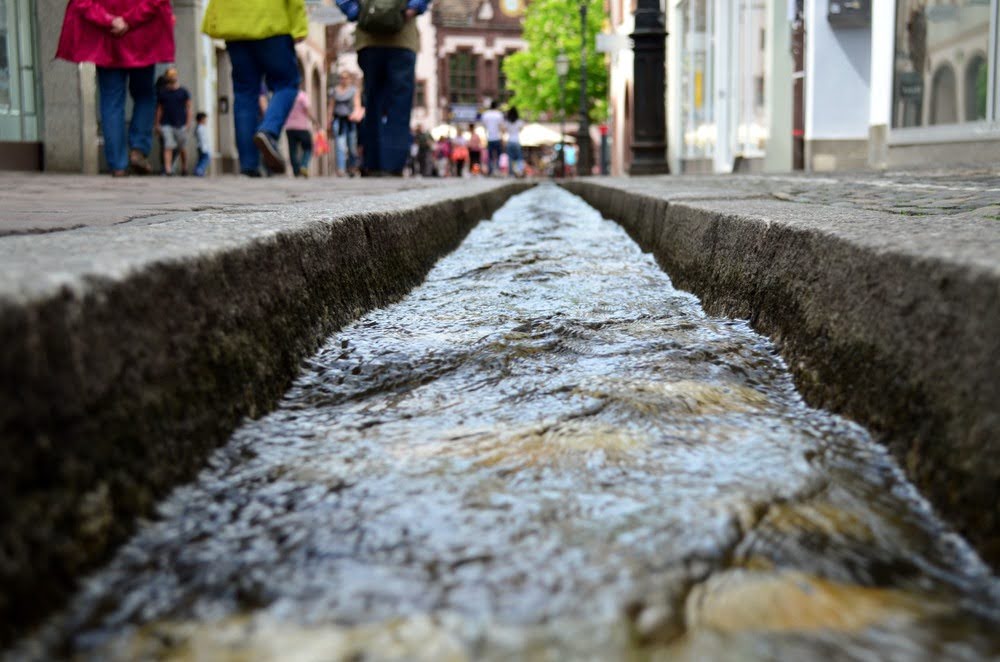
[551, 26]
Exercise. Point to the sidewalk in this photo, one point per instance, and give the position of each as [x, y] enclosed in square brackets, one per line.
[34, 203]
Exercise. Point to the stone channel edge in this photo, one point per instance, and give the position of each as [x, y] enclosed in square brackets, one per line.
[117, 388]
[905, 342]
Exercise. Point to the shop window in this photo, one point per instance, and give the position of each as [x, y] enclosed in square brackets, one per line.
[697, 66]
[19, 94]
[941, 74]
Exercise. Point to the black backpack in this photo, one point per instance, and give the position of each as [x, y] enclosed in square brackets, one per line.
[382, 16]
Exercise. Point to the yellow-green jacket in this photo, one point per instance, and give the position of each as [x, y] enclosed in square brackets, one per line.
[240, 20]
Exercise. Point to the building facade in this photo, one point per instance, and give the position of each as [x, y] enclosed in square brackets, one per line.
[822, 85]
[471, 40]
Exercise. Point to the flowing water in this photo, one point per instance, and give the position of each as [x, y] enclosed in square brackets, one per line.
[544, 452]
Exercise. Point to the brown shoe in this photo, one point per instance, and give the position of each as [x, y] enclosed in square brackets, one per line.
[139, 163]
[119, 173]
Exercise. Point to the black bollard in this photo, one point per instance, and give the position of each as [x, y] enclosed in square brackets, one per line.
[649, 126]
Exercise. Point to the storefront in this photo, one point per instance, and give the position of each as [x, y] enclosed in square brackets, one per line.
[718, 105]
[945, 82]
[20, 142]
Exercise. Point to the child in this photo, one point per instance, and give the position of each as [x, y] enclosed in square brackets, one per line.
[173, 120]
[204, 140]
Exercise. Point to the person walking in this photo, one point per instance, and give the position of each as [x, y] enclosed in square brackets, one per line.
[298, 133]
[492, 120]
[260, 38]
[475, 151]
[173, 120]
[459, 154]
[442, 156]
[425, 152]
[345, 111]
[125, 39]
[387, 45]
[514, 155]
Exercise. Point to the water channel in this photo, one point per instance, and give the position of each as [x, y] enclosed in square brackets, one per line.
[544, 452]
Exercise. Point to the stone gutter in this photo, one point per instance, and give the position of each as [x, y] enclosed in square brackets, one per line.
[129, 353]
[890, 319]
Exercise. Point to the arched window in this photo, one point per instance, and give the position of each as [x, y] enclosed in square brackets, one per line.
[944, 96]
[975, 89]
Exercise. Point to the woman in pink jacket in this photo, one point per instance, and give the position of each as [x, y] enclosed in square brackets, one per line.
[125, 39]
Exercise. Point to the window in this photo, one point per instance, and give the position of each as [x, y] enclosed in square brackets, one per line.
[751, 67]
[19, 94]
[420, 94]
[944, 104]
[696, 84]
[462, 78]
[503, 93]
[943, 74]
[975, 89]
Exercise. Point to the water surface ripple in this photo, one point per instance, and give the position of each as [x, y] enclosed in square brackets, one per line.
[546, 452]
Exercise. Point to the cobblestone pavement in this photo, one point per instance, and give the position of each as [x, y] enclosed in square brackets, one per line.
[44, 202]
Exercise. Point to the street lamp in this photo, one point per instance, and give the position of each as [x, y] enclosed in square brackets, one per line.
[649, 126]
[562, 68]
[584, 131]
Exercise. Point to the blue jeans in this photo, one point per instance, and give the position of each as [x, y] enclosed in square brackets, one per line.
[516, 158]
[493, 149]
[388, 100]
[345, 142]
[204, 159]
[273, 60]
[112, 84]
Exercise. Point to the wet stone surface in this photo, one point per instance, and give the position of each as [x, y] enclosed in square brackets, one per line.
[544, 452]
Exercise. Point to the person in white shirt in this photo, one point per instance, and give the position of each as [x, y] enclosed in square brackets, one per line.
[492, 120]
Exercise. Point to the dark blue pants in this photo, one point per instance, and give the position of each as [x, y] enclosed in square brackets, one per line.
[494, 148]
[272, 60]
[300, 149]
[388, 100]
[112, 84]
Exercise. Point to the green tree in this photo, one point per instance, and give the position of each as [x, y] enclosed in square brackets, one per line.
[551, 26]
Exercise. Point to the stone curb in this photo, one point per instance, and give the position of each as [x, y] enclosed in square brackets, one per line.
[128, 354]
[891, 320]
